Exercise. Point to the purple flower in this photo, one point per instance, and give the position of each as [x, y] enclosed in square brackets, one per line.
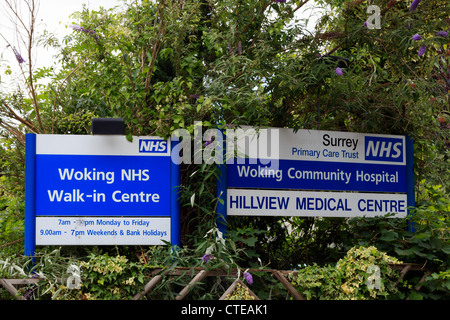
[409, 25]
[207, 257]
[280, 1]
[230, 48]
[195, 96]
[422, 50]
[365, 24]
[442, 34]
[248, 277]
[414, 5]
[18, 56]
[77, 27]
[90, 31]
[209, 141]
[416, 37]
[80, 28]
[339, 71]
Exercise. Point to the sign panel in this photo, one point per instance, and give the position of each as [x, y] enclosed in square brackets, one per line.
[100, 184]
[343, 163]
[101, 230]
[319, 175]
[309, 203]
[100, 190]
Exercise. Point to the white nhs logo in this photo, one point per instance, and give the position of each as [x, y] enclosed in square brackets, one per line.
[383, 149]
[152, 146]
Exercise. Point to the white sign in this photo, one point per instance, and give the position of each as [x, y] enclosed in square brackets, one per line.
[309, 203]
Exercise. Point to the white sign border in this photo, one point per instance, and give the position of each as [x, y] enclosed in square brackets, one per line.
[95, 145]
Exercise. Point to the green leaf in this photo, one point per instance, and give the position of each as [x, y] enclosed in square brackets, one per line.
[406, 252]
[446, 249]
[415, 295]
[436, 243]
[388, 235]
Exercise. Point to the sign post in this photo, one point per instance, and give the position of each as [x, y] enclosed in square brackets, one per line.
[100, 190]
[30, 194]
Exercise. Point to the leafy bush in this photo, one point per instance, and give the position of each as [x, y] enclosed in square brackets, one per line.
[438, 284]
[240, 293]
[98, 277]
[111, 278]
[364, 273]
[422, 239]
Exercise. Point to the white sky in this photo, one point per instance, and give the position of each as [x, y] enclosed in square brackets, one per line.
[55, 13]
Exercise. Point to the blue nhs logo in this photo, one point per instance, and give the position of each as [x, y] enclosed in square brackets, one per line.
[384, 149]
[152, 146]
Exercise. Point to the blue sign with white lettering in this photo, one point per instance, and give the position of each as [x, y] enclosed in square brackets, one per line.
[152, 146]
[318, 175]
[100, 190]
[383, 149]
[102, 185]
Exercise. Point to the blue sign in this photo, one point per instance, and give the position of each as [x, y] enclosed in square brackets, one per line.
[100, 190]
[317, 175]
[102, 185]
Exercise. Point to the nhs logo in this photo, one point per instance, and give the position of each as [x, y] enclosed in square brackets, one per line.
[384, 149]
[152, 146]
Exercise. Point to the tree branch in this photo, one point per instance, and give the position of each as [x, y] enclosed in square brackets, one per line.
[16, 16]
[156, 46]
[31, 7]
[20, 119]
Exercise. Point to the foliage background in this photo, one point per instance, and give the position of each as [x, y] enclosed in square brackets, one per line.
[163, 65]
